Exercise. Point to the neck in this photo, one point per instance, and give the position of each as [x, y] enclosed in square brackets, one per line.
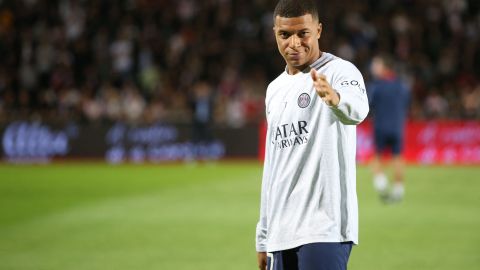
[389, 75]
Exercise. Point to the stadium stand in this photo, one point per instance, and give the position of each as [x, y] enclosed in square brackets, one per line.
[139, 61]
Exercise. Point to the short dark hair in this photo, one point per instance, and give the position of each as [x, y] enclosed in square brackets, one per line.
[295, 8]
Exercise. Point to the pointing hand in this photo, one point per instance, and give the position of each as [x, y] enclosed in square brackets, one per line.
[324, 90]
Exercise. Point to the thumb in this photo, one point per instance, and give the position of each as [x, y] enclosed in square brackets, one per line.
[314, 74]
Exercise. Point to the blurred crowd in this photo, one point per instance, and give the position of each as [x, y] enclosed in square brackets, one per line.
[145, 61]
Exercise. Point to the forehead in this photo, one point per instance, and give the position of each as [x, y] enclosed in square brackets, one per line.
[295, 23]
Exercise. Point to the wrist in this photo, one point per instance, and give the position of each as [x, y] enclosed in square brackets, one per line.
[336, 99]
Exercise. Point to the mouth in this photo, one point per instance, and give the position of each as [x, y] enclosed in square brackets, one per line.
[294, 56]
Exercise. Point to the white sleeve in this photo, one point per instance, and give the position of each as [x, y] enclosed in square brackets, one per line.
[353, 106]
[261, 231]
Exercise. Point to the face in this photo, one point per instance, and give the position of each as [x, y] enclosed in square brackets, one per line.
[297, 40]
[377, 67]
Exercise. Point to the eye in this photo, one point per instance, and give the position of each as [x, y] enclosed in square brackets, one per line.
[284, 35]
[304, 34]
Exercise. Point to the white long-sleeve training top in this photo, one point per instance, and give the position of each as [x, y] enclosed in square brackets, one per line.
[309, 178]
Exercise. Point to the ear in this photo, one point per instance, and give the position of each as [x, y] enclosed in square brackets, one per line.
[319, 28]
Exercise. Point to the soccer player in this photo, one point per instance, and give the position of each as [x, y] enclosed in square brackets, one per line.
[389, 98]
[308, 213]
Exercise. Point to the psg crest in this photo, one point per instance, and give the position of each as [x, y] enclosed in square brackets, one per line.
[303, 100]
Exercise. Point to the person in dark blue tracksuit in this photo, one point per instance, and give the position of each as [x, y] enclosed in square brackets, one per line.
[389, 99]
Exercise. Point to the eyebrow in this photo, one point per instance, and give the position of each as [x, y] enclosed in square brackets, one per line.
[287, 31]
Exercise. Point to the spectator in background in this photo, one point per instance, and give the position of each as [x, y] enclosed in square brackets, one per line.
[470, 101]
[49, 47]
[122, 54]
[133, 103]
[436, 106]
[202, 106]
[389, 98]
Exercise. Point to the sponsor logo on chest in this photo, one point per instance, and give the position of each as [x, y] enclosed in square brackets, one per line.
[290, 135]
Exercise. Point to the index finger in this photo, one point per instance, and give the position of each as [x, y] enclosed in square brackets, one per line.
[314, 74]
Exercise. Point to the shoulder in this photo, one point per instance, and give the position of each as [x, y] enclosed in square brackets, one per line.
[404, 85]
[342, 65]
[343, 72]
[372, 85]
[278, 80]
[341, 69]
[276, 83]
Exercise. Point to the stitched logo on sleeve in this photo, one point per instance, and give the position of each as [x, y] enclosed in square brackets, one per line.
[353, 83]
[303, 100]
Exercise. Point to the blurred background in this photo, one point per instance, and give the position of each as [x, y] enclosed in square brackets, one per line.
[145, 82]
[200, 69]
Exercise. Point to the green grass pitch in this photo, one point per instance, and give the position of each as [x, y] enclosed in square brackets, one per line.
[96, 216]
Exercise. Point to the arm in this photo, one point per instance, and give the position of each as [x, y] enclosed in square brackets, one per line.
[262, 260]
[408, 97]
[372, 88]
[261, 230]
[346, 96]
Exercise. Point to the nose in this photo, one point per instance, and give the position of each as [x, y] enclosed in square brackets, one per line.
[294, 41]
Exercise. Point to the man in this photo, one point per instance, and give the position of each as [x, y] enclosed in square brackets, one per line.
[202, 105]
[308, 214]
[389, 98]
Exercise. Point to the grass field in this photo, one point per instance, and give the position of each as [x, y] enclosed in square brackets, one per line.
[95, 216]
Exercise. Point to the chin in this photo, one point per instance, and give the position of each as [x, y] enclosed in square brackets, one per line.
[297, 64]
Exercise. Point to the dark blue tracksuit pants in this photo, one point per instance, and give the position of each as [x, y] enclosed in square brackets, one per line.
[315, 256]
